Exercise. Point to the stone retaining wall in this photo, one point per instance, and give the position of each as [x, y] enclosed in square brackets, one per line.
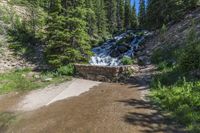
[103, 73]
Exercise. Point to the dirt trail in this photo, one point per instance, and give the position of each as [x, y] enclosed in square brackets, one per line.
[107, 108]
[18, 102]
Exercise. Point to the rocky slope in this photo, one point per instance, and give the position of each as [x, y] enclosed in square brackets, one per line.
[8, 58]
[176, 34]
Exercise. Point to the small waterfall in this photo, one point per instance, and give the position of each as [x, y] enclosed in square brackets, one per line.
[111, 52]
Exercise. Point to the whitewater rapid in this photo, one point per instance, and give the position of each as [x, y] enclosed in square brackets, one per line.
[103, 55]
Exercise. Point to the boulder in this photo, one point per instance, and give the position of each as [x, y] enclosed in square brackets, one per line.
[144, 60]
[122, 49]
[115, 53]
[140, 53]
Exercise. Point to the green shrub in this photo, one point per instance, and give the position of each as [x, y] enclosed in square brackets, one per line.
[163, 65]
[67, 70]
[190, 56]
[162, 32]
[127, 61]
[163, 29]
[165, 54]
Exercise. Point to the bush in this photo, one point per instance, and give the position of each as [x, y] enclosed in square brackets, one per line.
[127, 61]
[67, 70]
[190, 56]
[165, 54]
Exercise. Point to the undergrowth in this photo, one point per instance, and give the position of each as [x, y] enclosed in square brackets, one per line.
[174, 89]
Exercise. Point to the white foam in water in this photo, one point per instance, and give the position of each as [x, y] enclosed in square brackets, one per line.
[102, 53]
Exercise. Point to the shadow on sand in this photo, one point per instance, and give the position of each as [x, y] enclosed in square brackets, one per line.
[150, 117]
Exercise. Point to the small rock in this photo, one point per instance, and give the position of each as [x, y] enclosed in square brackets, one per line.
[48, 79]
[144, 60]
[139, 53]
[36, 76]
[30, 75]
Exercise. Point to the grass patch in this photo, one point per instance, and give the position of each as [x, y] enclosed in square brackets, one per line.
[177, 93]
[182, 100]
[25, 80]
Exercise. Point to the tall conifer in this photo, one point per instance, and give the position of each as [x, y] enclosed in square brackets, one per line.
[142, 13]
[134, 20]
[67, 35]
[120, 14]
[127, 19]
[111, 10]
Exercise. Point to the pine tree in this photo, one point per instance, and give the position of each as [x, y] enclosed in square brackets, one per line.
[134, 20]
[127, 15]
[120, 14]
[142, 13]
[101, 18]
[111, 10]
[91, 18]
[165, 11]
[67, 34]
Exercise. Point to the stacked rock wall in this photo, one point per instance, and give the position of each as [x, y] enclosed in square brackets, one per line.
[103, 73]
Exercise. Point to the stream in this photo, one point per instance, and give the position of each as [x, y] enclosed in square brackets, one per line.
[114, 50]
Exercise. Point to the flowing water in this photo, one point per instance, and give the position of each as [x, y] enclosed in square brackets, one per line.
[112, 51]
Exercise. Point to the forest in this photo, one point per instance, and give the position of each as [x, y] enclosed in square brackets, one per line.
[69, 28]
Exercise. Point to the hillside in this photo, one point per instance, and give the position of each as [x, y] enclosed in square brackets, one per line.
[8, 59]
[12, 56]
[175, 52]
[176, 34]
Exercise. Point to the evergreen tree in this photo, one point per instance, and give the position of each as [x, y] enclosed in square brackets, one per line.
[91, 18]
[67, 34]
[134, 20]
[165, 11]
[120, 14]
[101, 18]
[142, 13]
[127, 19]
[111, 10]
